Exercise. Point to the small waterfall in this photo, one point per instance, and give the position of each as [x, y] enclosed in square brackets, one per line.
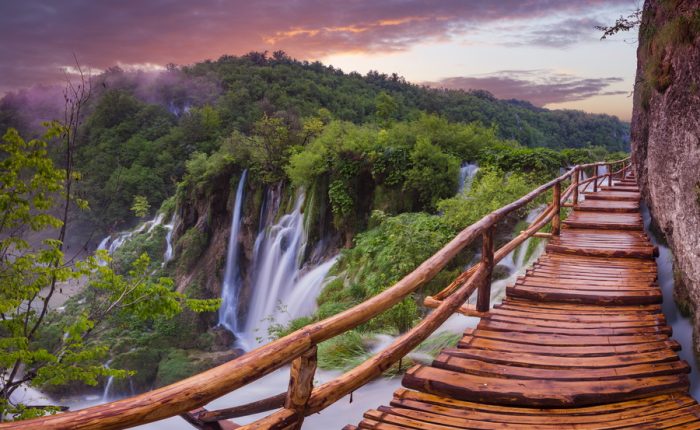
[168, 255]
[228, 313]
[466, 176]
[108, 385]
[120, 238]
[103, 243]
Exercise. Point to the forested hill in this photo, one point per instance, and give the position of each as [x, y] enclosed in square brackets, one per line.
[141, 128]
[246, 87]
[302, 87]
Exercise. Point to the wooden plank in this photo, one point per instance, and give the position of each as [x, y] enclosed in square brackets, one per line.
[543, 393]
[493, 370]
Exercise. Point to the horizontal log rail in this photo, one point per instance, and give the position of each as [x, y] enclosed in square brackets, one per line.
[188, 397]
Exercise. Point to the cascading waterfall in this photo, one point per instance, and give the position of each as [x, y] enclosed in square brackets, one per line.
[281, 289]
[120, 238]
[466, 176]
[302, 298]
[278, 251]
[228, 312]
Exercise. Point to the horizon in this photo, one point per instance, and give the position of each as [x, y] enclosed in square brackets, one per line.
[546, 52]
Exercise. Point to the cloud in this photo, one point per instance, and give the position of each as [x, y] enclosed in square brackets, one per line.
[40, 36]
[539, 87]
[558, 34]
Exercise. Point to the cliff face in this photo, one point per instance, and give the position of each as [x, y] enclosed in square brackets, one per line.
[666, 133]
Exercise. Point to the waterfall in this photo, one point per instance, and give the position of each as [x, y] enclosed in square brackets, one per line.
[168, 255]
[228, 313]
[103, 244]
[278, 253]
[281, 289]
[108, 385]
[302, 298]
[466, 176]
[120, 238]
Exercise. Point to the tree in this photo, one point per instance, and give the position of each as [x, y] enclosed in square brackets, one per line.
[622, 24]
[386, 108]
[38, 344]
[140, 207]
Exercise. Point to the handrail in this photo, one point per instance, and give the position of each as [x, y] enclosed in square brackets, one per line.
[299, 347]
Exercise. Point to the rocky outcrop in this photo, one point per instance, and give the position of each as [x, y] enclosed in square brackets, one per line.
[666, 133]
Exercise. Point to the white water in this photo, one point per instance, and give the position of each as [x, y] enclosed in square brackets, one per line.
[168, 254]
[228, 312]
[281, 291]
[466, 176]
[108, 385]
[301, 300]
[112, 244]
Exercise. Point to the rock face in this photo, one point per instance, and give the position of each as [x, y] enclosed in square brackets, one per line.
[666, 133]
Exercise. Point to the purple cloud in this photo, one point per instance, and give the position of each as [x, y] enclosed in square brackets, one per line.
[539, 87]
[40, 36]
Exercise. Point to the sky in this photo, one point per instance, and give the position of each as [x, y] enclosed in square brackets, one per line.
[544, 51]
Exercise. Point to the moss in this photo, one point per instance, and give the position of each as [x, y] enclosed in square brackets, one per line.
[500, 272]
[175, 366]
[191, 245]
[144, 363]
[659, 45]
[167, 208]
[151, 243]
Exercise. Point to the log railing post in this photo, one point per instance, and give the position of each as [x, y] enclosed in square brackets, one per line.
[610, 173]
[483, 300]
[556, 203]
[574, 179]
[301, 384]
[595, 178]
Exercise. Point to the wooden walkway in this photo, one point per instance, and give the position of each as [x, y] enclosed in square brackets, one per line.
[578, 342]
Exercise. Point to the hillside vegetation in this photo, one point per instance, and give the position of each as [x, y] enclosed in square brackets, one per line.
[142, 128]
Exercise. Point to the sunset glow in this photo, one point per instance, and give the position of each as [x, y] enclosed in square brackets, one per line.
[543, 51]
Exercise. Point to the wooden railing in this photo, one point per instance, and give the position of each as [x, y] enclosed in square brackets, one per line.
[187, 397]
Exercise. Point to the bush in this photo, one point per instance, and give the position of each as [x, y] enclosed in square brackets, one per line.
[491, 190]
[191, 246]
[175, 366]
[342, 352]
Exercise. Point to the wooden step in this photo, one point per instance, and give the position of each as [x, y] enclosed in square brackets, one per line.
[604, 220]
[620, 187]
[538, 392]
[477, 415]
[620, 206]
[601, 297]
[613, 195]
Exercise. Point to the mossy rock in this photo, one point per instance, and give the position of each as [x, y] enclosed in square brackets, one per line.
[144, 362]
[175, 366]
